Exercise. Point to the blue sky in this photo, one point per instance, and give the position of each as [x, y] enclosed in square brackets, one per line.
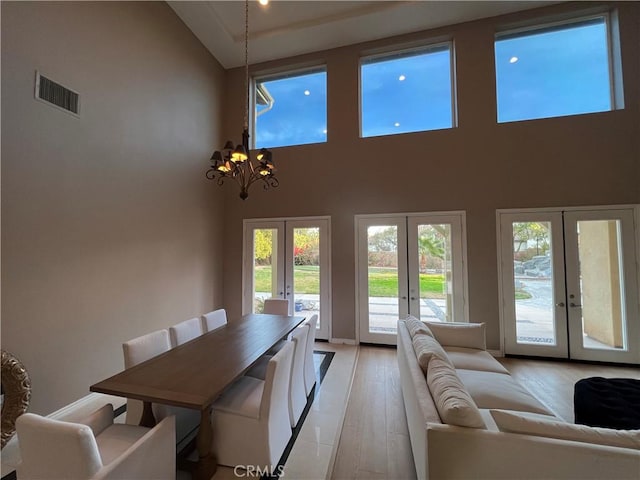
[540, 75]
[556, 73]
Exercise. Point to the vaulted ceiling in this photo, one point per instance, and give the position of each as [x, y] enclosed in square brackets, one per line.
[286, 28]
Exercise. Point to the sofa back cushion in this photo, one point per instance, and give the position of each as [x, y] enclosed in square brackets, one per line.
[427, 347]
[416, 326]
[545, 426]
[468, 335]
[455, 406]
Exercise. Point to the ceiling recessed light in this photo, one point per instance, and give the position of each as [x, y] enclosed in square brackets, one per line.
[397, 124]
[263, 2]
[307, 92]
[402, 78]
[513, 59]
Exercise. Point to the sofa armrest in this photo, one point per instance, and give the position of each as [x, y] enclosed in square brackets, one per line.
[152, 456]
[467, 335]
[499, 455]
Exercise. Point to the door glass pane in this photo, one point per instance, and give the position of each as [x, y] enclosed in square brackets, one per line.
[436, 274]
[382, 277]
[306, 271]
[533, 283]
[265, 252]
[601, 285]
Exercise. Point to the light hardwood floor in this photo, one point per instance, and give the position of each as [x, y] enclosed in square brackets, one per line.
[375, 440]
[552, 381]
[375, 443]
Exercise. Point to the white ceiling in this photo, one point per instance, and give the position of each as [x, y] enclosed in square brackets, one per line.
[285, 28]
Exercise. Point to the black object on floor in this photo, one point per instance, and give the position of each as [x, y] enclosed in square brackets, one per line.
[607, 402]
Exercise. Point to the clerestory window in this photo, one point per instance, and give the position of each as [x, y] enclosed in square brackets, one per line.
[556, 69]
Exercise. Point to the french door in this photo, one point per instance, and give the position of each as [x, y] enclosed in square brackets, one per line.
[408, 264]
[288, 259]
[569, 284]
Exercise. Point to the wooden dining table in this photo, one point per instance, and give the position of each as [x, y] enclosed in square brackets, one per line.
[194, 374]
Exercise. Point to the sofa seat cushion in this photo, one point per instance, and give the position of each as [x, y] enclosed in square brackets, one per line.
[544, 426]
[499, 391]
[474, 359]
[426, 347]
[453, 402]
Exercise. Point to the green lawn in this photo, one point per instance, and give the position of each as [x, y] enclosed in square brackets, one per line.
[383, 281]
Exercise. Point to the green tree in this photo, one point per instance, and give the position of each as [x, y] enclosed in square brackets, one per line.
[523, 232]
[431, 243]
[384, 240]
[263, 246]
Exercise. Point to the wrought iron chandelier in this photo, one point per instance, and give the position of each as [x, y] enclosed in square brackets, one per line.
[235, 162]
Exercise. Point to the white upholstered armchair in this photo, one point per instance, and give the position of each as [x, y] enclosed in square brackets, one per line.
[251, 418]
[95, 449]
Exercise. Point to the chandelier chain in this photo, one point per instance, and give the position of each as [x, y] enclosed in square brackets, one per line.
[235, 163]
[246, 63]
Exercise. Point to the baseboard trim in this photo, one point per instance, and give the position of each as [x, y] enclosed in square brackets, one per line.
[496, 353]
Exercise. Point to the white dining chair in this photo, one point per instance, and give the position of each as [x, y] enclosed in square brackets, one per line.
[185, 331]
[250, 419]
[276, 306]
[297, 393]
[94, 448]
[309, 367]
[213, 320]
[140, 350]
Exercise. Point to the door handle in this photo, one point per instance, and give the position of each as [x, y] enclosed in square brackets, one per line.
[574, 305]
[413, 298]
[561, 304]
[404, 298]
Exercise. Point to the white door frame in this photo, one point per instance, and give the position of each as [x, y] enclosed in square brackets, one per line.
[630, 300]
[362, 324]
[283, 224]
[446, 216]
[501, 298]
[560, 348]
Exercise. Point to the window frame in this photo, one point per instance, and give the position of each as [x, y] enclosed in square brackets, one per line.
[403, 52]
[538, 25]
[280, 75]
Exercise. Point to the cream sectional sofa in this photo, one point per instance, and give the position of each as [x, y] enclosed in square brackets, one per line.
[468, 418]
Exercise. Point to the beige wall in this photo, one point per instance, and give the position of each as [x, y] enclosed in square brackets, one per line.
[109, 228]
[599, 253]
[478, 167]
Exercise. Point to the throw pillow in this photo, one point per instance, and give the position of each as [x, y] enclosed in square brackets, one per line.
[426, 347]
[553, 428]
[455, 406]
[416, 326]
[469, 335]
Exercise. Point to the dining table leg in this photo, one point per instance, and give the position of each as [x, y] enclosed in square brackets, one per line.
[207, 462]
[147, 419]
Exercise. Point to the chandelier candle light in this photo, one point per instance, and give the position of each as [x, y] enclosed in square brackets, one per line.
[235, 162]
